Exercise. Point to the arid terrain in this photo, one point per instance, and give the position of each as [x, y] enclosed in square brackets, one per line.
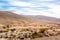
[28, 27]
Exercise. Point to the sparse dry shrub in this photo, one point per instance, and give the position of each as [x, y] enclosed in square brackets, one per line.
[50, 33]
[7, 26]
[34, 35]
[25, 32]
[13, 29]
[41, 30]
[40, 34]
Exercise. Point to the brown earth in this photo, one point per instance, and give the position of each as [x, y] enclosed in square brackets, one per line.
[15, 26]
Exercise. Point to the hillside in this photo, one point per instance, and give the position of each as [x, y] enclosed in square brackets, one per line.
[43, 18]
[6, 16]
[20, 27]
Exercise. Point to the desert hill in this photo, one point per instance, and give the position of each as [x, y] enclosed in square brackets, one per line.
[6, 16]
[27, 20]
[43, 18]
[16, 27]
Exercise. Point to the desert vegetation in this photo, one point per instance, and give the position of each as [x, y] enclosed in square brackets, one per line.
[15, 31]
[22, 27]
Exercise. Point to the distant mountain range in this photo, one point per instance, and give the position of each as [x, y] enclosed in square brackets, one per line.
[8, 17]
[42, 18]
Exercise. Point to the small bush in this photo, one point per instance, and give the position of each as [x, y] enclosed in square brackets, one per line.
[42, 30]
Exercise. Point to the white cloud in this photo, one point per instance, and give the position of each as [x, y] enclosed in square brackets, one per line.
[35, 7]
[28, 11]
[54, 11]
[19, 3]
[55, 8]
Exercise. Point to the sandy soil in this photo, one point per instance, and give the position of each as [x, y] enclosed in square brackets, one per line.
[43, 38]
[49, 38]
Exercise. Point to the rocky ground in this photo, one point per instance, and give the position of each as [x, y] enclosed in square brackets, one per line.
[44, 38]
[48, 38]
[9, 32]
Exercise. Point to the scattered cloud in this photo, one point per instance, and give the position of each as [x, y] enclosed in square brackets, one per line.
[32, 7]
[19, 3]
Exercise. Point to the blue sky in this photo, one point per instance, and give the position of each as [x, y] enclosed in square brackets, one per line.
[32, 7]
